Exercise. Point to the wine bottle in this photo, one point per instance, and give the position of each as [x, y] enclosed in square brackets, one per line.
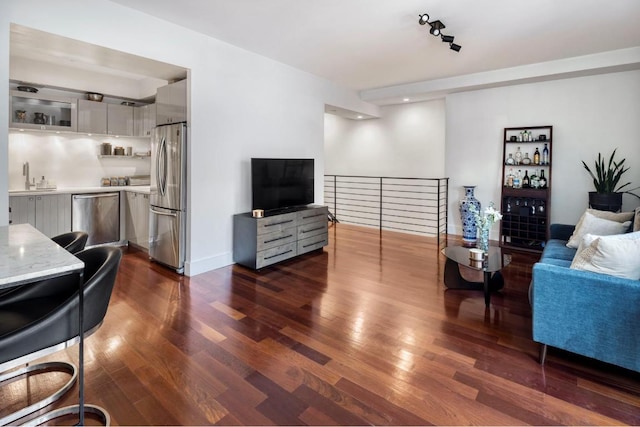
[543, 180]
[545, 155]
[536, 157]
[535, 180]
[526, 183]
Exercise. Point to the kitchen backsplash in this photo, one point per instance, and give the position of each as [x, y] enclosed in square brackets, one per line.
[71, 160]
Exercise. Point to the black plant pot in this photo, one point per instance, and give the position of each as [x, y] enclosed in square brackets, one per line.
[605, 201]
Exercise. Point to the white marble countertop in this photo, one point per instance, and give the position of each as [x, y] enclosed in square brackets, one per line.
[144, 189]
[27, 255]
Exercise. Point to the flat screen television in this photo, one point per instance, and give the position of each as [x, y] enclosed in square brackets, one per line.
[281, 183]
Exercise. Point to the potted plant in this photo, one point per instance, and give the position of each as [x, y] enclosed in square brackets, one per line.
[606, 179]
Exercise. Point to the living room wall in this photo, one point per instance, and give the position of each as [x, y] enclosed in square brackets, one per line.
[406, 141]
[241, 105]
[589, 115]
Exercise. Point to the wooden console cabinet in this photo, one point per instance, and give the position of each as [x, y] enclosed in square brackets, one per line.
[259, 242]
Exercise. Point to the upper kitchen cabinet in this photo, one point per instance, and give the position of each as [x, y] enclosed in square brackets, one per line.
[119, 120]
[144, 120]
[41, 112]
[105, 119]
[92, 117]
[171, 103]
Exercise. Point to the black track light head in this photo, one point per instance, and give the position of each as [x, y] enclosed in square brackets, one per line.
[436, 27]
[455, 47]
[447, 39]
[423, 19]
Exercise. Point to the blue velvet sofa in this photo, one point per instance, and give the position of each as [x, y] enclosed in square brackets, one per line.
[591, 314]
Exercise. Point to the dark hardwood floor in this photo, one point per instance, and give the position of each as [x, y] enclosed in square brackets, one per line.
[363, 332]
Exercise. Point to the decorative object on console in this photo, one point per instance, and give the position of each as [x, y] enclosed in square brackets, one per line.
[484, 222]
[606, 178]
[436, 30]
[469, 227]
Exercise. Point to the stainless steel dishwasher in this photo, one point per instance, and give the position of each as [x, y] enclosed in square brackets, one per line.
[98, 215]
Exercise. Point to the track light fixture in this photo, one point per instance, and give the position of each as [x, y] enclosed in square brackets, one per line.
[436, 30]
[436, 26]
[447, 39]
[424, 19]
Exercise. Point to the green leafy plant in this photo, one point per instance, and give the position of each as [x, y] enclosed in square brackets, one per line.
[607, 175]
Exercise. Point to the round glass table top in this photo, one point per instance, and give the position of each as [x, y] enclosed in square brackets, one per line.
[494, 261]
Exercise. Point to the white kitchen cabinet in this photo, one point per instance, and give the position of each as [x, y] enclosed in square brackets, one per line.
[105, 119]
[171, 103]
[137, 219]
[92, 117]
[119, 120]
[144, 120]
[51, 214]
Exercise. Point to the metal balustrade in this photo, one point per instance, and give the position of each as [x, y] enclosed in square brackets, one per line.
[409, 205]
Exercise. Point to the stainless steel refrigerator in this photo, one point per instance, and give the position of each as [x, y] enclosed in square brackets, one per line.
[168, 198]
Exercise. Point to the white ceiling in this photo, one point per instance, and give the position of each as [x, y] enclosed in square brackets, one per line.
[377, 46]
[368, 44]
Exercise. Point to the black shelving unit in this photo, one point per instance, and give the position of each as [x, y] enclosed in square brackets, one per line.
[525, 222]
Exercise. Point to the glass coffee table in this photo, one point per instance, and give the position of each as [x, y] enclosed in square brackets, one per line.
[458, 259]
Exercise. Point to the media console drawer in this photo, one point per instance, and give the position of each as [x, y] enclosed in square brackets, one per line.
[259, 242]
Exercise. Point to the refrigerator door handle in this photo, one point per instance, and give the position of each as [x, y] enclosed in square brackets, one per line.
[163, 213]
[161, 167]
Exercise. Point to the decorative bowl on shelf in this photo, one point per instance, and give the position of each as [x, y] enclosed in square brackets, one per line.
[92, 96]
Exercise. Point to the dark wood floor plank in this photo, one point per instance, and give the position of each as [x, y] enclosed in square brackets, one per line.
[361, 332]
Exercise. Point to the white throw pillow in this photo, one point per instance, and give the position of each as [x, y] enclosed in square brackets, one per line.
[616, 255]
[591, 224]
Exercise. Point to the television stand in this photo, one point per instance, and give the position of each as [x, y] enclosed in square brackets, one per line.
[259, 242]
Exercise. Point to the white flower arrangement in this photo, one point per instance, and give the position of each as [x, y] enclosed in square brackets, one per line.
[486, 220]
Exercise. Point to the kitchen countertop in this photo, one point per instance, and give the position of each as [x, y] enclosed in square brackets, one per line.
[143, 189]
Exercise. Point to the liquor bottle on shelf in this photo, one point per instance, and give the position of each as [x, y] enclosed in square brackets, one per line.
[526, 183]
[526, 160]
[510, 160]
[517, 180]
[535, 180]
[536, 157]
[545, 155]
[543, 180]
[518, 156]
[510, 178]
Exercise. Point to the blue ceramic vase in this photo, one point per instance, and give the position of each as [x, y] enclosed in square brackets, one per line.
[469, 227]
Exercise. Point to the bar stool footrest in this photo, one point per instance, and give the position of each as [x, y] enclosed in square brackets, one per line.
[40, 367]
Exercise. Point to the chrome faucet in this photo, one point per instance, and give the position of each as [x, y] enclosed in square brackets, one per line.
[25, 173]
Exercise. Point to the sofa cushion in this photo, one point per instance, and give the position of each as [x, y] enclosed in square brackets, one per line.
[615, 255]
[557, 250]
[636, 221]
[593, 224]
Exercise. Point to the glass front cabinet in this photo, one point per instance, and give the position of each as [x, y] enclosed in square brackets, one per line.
[526, 187]
[33, 111]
